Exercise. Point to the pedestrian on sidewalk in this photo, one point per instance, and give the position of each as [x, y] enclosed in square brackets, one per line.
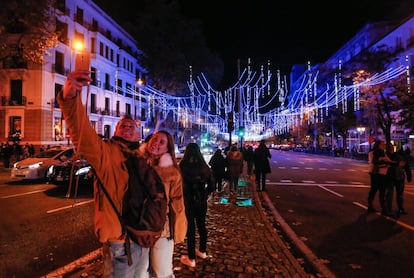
[248, 156]
[234, 166]
[261, 165]
[159, 153]
[109, 163]
[197, 179]
[218, 165]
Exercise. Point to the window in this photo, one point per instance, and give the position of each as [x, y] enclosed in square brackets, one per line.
[59, 63]
[16, 92]
[15, 131]
[107, 131]
[128, 108]
[93, 45]
[62, 31]
[79, 15]
[58, 88]
[118, 113]
[107, 106]
[93, 103]
[94, 25]
[101, 49]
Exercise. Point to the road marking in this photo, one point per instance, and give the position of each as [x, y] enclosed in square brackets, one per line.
[356, 182]
[22, 194]
[330, 182]
[331, 191]
[308, 181]
[322, 169]
[308, 168]
[70, 206]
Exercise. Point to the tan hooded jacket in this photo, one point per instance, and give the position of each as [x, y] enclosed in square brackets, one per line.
[107, 160]
[176, 224]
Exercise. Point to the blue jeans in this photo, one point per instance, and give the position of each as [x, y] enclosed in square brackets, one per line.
[162, 258]
[116, 261]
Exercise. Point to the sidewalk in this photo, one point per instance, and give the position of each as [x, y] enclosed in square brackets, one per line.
[241, 241]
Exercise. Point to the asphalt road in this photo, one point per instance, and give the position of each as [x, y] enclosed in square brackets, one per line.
[322, 199]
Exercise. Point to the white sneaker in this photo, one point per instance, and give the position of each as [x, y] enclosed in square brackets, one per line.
[202, 255]
[187, 261]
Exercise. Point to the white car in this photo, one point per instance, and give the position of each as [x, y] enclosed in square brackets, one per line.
[34, 168]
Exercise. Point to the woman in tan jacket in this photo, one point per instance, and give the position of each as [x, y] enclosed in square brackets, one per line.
[159, 153]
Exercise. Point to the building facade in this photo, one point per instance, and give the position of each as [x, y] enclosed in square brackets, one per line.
[29, 110]
[396, 37]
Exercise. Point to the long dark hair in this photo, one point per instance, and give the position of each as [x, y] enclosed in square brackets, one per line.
[193, 154]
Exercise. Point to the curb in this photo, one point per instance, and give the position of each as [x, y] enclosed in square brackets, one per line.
[310, 256]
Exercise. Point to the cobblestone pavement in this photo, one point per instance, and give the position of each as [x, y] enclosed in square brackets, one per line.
[241, 242]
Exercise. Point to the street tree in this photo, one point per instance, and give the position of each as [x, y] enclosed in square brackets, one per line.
[379, 102]
[27, 31]
[171, 44]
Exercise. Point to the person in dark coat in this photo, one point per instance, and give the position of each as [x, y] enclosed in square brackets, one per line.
[218, 165]
[248, 155]
[197, 178]
[397, 173]
[234, 166]
[261, 165]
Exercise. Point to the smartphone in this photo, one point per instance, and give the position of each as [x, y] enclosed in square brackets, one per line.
[83, 61]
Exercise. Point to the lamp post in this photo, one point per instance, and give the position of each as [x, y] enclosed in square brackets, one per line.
[76, 46]
[360, 130]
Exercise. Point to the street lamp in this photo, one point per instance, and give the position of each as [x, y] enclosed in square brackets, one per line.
[360, 130]
[76, 46]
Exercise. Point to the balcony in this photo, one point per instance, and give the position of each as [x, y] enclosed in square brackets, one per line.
[8, 101]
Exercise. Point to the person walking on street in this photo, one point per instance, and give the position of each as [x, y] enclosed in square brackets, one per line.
[218, 165]
[397, 173]
[109, 163]
[7, 151]
[381, 164]
[261, 165]
[197, 177]
[248, 156]
[374, 182]
[234, 166]
[159, 153]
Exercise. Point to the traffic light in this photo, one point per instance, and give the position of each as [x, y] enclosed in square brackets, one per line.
[230, 126]
[240, 132]
[230, 122]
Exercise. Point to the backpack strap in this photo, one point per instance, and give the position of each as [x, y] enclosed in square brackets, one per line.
[121, 220]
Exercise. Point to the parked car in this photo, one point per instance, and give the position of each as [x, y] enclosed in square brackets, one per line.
[33, 168]
[79, 170]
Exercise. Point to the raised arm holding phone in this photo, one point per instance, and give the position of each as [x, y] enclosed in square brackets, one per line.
[108, 161]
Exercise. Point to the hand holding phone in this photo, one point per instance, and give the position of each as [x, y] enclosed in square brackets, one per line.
[83, 61]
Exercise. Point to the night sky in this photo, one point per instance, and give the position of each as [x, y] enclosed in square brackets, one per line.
[284, 32]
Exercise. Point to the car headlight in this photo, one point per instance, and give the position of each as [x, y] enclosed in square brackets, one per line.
[50, 170]
[82, 171]
[36, 165]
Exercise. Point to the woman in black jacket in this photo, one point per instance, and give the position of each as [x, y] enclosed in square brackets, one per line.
[197, 179]
[218, 165]
[261, 165]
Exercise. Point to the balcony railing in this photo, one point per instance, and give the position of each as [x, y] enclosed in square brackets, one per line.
[8, 101]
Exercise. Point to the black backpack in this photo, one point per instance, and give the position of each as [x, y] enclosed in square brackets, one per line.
[144, 204]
